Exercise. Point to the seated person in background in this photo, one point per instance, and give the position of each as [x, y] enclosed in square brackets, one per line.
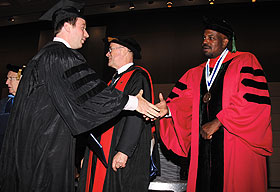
[13, 78]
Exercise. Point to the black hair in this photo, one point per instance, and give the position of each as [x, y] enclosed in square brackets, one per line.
[70, 20]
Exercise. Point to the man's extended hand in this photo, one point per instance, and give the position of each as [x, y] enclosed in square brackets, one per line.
[145, 107]
[162, 106]
[119, 161]
[210, 128]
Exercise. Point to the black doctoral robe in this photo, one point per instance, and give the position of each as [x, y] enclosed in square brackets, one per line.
[132, 136]
[58, 97]
[4, 116]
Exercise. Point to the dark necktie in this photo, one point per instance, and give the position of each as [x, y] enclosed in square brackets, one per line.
[9, 104]
[114, 78]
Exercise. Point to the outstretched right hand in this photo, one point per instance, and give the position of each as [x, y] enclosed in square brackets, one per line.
[162, 106]
[146, 108]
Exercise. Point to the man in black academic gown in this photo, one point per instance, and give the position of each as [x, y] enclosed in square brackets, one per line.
[127, 137]
[12, 81]
[59, 97]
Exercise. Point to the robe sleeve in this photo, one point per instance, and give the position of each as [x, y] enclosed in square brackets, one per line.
[247, 113]
[134, 122]
[3, 126]
[3, 103]
[81, 98]
[175, 131]
[4, 117]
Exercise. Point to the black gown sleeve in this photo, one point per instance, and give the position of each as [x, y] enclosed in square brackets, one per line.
[134, 122]
[3, 120]
[81, 98]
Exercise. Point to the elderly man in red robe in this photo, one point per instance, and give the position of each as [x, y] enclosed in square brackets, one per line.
[221, 110]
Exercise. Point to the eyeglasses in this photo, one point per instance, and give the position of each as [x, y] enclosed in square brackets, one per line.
[112, 48]
[11, 78]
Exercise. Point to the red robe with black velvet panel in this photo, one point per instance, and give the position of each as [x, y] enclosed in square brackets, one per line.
[245, 114]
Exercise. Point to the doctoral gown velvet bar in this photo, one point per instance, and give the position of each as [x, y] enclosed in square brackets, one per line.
[59, 97]
[245, 114]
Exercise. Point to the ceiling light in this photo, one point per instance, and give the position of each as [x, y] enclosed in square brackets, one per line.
[211, 2]
[169, 3]
[131, 5]
[253, 1]
[11, 19]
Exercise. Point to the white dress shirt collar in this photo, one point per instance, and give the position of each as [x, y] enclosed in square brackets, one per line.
[62, 41]
[124, 68]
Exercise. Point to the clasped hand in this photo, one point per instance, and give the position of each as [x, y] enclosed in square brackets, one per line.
[146, 108]
[163, 109]
[208, 129]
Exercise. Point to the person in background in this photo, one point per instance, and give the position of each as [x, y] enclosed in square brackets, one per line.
[221, 109]
[126, 139]
[13, 78]
[58, 98]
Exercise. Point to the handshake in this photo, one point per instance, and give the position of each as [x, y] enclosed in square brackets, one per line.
[149, 110]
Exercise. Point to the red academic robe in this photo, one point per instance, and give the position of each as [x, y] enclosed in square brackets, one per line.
[245, 114]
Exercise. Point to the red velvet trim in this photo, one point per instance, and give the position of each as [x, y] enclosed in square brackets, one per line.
[100, 171]
[106, 138]
[89, 171]
[152, 91]
[214, 60]
[150, 78]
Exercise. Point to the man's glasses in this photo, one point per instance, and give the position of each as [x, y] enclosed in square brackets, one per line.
[11, 78]
[112, 48]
